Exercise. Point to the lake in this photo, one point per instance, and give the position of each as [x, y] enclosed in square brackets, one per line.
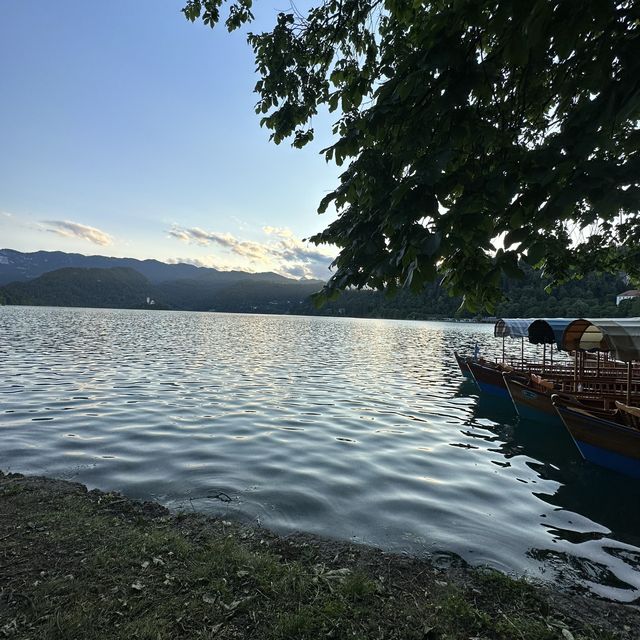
[356, 429]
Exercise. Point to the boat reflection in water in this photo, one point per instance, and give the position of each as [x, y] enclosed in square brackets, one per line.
[589, 516]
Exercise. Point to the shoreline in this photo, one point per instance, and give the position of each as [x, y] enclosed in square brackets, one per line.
[436, 318]
[76, 563]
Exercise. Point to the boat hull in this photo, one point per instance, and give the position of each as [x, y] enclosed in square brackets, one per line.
[603, 442]
[489, 380]
[532, 404]
[464, 366]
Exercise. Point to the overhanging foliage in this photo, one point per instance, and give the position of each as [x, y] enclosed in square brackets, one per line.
[475, 133]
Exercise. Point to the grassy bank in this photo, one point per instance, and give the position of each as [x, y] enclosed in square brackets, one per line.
[86, 565]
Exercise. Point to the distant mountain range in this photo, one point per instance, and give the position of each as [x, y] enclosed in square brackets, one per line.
[16, 266]
[55, 278]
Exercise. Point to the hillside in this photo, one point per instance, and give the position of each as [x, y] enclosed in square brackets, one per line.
[593, 296]
[72, 287]
[122, 287]
[243, 296]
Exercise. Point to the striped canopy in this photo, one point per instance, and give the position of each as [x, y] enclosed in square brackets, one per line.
[548, 330]
[512, 327]
[620, 336]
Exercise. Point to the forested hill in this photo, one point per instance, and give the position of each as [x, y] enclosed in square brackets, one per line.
[593, 296]
[70, 287]
[122, 287]
[18, 266]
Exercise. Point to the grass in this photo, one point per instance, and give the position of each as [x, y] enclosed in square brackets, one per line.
[82, 566]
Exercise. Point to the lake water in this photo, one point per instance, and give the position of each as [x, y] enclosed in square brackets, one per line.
[357, 429]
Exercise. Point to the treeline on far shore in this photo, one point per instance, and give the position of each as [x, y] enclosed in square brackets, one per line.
[592, 296]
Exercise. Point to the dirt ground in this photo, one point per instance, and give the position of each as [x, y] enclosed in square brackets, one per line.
[87, 564]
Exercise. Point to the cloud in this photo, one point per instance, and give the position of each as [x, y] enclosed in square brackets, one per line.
[179, 234]
[205, 261]
[281, 251]
[69, 229]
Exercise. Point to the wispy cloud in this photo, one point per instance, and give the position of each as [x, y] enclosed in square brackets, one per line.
[205, 261]
[69, 229]
[281, 251]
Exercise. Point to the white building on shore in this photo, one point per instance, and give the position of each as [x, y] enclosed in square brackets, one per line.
[627, 295]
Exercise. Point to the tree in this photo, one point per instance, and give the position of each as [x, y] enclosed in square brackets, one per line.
[475, 134]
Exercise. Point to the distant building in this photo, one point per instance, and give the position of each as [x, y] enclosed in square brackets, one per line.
[627, 295]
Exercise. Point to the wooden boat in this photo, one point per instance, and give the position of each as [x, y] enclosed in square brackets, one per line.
[591, 379]
[463, 364]
[488, 374]
[610, 439]
[488, 377]
[531, 395]
[532, 401]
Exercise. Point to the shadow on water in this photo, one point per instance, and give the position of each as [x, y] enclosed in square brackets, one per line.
[598, 506]
[586, 495]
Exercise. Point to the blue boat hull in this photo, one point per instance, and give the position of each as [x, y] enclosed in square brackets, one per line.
[603, 441]
[494, 390]
[532, 404]
[609, 459]
[528, 413]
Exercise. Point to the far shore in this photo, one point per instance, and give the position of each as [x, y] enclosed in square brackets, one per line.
[79, 564]
[479, 320]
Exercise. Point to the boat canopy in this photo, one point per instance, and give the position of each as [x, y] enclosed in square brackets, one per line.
[620, 336]
[512, 327]
[548, 330]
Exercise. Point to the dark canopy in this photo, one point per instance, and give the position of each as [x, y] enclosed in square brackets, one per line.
[548, 330]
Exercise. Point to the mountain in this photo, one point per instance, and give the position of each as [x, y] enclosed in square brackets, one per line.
[72, 287]
[16, 266]
[250, 296]
[123, 287]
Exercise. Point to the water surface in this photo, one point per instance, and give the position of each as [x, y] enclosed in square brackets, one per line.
[357, 429]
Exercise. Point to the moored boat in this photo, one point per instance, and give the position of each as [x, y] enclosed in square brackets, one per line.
[464, 365]
[487, 374]
[532, 401]
[596, 381]
[531, 395]
[489, 377]
[606, 438]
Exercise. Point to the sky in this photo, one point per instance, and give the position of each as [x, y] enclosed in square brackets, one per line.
[126, 130]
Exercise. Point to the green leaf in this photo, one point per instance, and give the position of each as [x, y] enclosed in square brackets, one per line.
[536, 252]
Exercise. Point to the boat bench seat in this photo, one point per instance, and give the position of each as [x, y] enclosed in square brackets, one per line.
[541, 382]
[630, 415]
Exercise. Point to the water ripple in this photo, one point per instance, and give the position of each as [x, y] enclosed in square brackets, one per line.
[358, 429]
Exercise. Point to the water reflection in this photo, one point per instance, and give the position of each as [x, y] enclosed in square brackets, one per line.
[594, 510]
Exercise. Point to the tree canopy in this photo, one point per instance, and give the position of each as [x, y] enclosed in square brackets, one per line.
[474, 133]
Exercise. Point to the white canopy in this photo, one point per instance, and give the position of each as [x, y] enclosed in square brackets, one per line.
[620, 336]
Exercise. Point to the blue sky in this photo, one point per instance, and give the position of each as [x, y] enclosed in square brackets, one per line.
[126, 130]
